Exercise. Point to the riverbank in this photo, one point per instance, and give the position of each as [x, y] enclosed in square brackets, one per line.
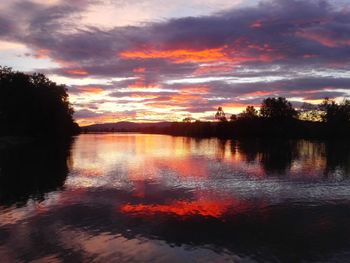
[244, 128]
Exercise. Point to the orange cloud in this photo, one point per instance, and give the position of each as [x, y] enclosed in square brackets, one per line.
[182, 98]
[259, 93]
[178, 55]
[98, 119]
[240, 51]
[91, 89]
[77, 72]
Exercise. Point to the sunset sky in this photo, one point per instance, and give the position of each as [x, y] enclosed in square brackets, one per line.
[154, 60]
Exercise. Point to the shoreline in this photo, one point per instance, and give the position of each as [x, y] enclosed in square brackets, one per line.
[252, 129]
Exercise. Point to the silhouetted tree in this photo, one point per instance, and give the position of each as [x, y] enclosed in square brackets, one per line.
[277, 108]
[233, 117]
[220, 115]
[334, 112]
[249, 113]
[31, 104]
[189, 119]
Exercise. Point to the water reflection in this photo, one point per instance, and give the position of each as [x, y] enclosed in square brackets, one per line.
[153, 198]
[286, 157]
[30, 170]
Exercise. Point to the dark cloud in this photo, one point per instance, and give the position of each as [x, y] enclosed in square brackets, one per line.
[325, 94]
[6, 26]
[86, 114]
[289, 41]
[292, 32]
[289, 87]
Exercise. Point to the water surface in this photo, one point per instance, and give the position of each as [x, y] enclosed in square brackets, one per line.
[157, 198]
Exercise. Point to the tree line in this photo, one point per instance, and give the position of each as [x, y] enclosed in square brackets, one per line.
[32, 105]
[280, 109]
[276, 118]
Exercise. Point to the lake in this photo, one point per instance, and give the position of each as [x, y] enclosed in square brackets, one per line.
[157, 198]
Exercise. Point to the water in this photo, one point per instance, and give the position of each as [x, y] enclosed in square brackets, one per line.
[156, 198]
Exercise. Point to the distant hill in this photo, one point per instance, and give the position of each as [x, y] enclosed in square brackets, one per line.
[125, 126]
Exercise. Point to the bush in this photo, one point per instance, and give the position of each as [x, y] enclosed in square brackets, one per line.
[32, 105]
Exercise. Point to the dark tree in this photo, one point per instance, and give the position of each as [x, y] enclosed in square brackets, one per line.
[249, 113]
[334, 112]
[233, 117]
[220, 115]
[32, 105]
[277, 108]
[189, 119]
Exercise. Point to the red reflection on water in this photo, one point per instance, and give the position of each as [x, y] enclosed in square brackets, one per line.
[180, 208]
[212, 208]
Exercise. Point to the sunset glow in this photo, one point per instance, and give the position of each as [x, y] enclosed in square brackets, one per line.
[91, 89]
[186, 62]
[178, 55]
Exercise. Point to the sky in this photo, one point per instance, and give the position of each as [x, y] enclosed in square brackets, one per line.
[157, 60]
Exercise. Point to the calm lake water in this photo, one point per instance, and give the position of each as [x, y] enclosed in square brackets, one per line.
[157, 198]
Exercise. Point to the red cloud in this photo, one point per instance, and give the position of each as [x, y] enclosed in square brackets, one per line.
[90, 89]
[177, 55]
[77, 72]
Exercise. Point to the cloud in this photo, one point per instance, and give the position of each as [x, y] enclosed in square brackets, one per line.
[298, 49]
[5, 26]
[281, 37]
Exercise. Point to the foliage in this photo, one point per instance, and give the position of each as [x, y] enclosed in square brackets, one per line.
[335, 113]
[220, 115]
[274, 124]
[277, 108]
[249, 113]
[32, 105]
[233, 117]
[189, 119]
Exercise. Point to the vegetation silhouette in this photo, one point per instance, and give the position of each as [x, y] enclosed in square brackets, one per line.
[220, 115]
[277, 109]
[275, 156]
[32, 169]
[249, 113]
[32, 105]
[276, 119]
[337, 154]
